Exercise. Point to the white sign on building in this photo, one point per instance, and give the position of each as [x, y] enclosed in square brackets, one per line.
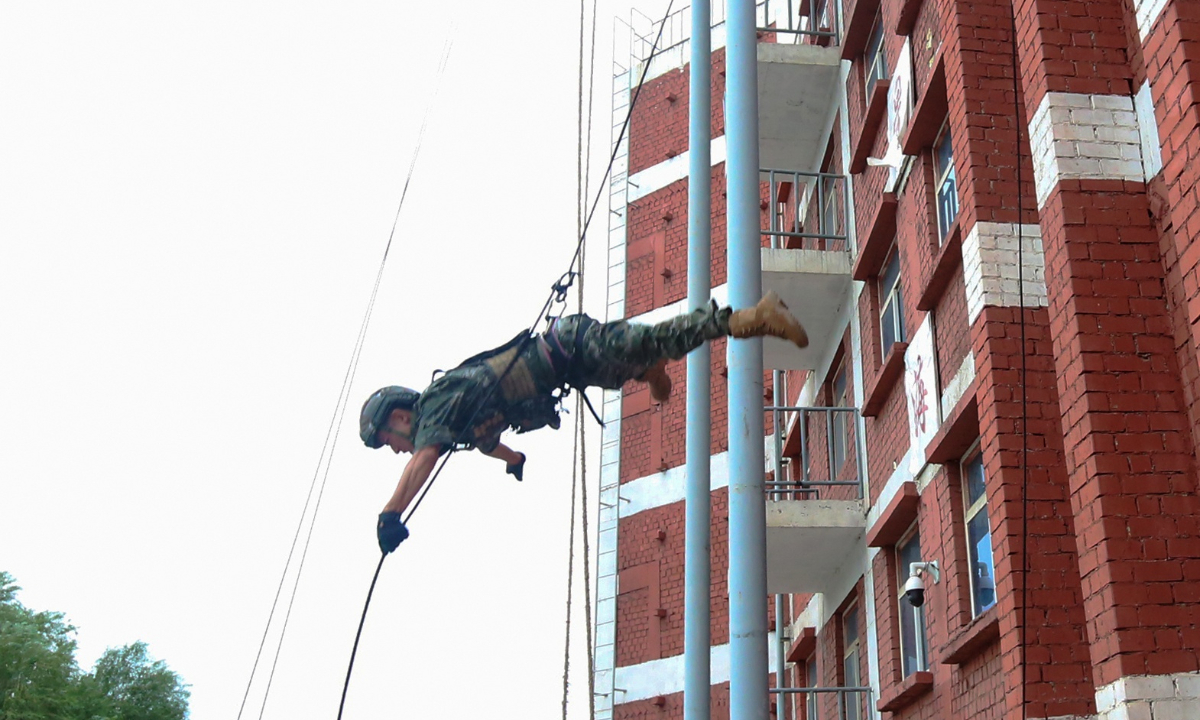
[900, 104]
[922, 392]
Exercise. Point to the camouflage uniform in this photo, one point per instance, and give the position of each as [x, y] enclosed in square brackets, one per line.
[577, 351]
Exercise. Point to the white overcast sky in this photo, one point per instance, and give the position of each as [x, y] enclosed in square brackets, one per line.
[194, 199]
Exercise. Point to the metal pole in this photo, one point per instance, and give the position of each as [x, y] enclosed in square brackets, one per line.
[748, 675]
[697, 682]
[780, 661]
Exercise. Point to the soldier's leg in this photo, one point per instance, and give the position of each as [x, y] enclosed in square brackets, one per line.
[610, 354]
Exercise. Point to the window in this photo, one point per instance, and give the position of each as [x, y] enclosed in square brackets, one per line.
[913, 639]
[891, 308]
[947, 187]
[979, 534]
[875, 59]
[811, 705]
[841, 421]
[850, 662]
[830, 202]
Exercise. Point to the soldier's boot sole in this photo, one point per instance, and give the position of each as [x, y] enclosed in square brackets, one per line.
[658, 380]
[770, 317]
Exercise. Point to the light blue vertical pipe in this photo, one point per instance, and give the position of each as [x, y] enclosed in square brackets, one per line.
[697, 681]
[747, 516]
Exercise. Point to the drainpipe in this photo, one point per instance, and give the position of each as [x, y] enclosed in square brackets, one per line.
[697, 639]
[780, 399]
[748, 678]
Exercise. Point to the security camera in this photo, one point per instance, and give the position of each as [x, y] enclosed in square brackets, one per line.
[914, 589]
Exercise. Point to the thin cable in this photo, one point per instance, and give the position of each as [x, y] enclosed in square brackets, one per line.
[1024, 633]
[570, 579]
[339, 413]
[587, 574]
[357, 635]
[579, 200]
[621, 136]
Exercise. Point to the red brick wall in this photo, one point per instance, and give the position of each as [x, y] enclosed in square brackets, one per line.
[658, 128]
[953, 340]
[1167, 59]
[672, 706]
[656, 245]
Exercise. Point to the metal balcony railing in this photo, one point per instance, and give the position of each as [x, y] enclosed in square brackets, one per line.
[807, 210]
[850, 705]
[810, 21]
[806, 21]
[830, 454]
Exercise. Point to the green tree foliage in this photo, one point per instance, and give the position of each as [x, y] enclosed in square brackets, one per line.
[40, 680]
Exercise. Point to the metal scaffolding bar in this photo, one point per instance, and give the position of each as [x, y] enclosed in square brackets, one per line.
[697, 683]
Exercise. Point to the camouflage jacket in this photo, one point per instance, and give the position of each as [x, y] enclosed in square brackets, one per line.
[473, 404]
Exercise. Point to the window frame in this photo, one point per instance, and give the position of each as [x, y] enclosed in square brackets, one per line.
[875, 66]
[841, 426]
[852, 706]
[971, 510]
[921, 653]
[942, 176]
[812, 679]
[889, 300]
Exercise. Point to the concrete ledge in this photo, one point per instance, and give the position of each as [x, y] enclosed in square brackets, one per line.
[816, 286]
[808, 542]
[798, 94]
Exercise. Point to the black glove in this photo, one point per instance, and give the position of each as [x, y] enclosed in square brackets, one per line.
[390, 531]
[517, 470]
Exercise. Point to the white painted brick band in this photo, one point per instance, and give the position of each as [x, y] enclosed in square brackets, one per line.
[1143, 102]
[1084, 137]
[1147, 12]
[990, 255]
[1150, 697]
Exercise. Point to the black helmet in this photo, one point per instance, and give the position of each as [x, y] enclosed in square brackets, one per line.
[379, 406]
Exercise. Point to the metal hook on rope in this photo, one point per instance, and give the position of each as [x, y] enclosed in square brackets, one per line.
[564, 284]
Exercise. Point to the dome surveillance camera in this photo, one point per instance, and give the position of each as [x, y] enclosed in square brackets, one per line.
[914, 590]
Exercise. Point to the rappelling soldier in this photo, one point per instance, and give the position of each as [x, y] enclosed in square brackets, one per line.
[521, 384]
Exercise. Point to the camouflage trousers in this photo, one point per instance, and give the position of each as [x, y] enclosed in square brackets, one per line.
[610, 354]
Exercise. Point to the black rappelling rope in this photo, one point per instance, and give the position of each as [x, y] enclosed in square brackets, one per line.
[557, 290]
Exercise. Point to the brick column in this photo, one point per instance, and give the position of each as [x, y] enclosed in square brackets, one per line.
[1058, 671]
[1128, 453]
[1168, 96]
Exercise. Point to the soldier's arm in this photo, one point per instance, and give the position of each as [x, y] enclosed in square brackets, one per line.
[416, 472]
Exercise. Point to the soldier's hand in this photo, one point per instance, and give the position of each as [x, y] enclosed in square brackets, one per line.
[390, 531]
[517, 470]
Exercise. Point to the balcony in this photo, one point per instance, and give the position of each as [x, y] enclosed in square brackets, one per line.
[799, 66]
[851, 702]
[807, 262]
[815, 516]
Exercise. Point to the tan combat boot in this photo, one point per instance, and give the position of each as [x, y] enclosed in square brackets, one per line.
[769, 317]
[658, 380]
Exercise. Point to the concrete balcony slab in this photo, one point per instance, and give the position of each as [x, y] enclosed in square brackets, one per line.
[808, 542]
[797, 99]
[816, 286]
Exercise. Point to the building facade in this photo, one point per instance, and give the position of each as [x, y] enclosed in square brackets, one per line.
[984, 212]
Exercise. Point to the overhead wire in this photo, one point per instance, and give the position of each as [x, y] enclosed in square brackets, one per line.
[335, 421]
